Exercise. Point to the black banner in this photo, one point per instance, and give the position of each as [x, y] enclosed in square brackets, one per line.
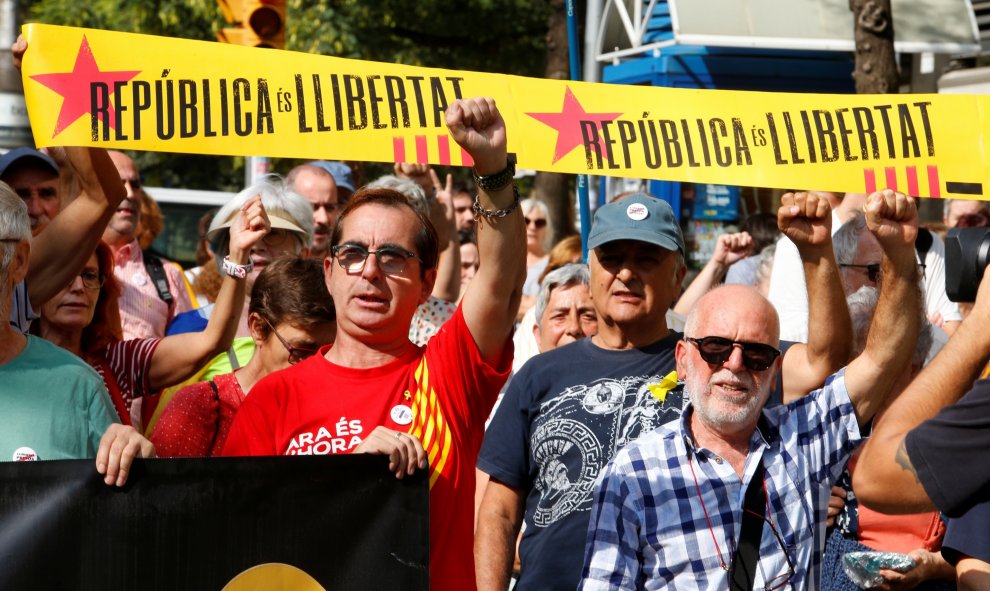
[301, 523]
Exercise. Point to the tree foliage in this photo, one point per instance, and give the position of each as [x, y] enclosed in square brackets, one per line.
[503, 36]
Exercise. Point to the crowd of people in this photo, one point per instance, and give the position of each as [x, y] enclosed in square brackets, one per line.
[585, 425]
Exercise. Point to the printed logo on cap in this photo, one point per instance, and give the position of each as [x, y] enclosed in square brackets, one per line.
[401, 414]
[25, 454]
[637, 212]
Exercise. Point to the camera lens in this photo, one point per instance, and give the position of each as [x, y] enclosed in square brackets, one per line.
[967, 251]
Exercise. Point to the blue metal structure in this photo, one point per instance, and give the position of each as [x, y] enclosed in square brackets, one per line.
[684, 66]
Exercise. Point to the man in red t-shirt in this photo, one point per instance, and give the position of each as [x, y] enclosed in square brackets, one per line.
[373, 391]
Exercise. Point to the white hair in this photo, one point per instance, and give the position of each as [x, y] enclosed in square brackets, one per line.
[14, 225]
[411, 189]
[529, 204]
[566, 276]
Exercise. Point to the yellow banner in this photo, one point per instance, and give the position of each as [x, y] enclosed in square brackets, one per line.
[139, 92]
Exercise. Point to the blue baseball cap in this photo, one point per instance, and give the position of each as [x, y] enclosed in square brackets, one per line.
[340, 172]
[22, 154]
[638, 217]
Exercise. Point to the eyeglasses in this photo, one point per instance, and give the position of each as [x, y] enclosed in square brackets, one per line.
[780, 581]
[872, 270]
[391, 259]
[717, 350]
[92, 280]
[296, 354]
[538, 222]
[777, 582]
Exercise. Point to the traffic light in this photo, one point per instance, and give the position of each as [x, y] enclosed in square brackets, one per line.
[262, 23]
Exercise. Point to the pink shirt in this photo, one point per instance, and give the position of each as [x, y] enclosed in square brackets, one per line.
[143, 314]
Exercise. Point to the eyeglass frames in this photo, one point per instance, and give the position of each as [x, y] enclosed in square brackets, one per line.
[296, 354]
[873, 270]
[391, 259]
[773, 584]
[538, 222]
[717, 350]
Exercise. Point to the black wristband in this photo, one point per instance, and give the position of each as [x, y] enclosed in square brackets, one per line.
[499, 180]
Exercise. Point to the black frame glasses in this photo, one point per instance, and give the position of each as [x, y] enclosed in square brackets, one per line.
[391, 259]
[296, 354]
[717, 350]
[538, 222]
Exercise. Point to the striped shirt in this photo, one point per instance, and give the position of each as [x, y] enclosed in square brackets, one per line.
[143, 314]
[130, 364]
[650, 531]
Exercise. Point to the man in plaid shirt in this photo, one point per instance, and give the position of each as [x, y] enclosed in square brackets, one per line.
[669, 508]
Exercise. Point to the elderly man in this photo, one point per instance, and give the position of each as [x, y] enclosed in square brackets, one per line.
[318, 186]
[153, 292]
[733, 494]
[373, 391]
[858, 254]
[33, 175]
[568, 411]
[53, 406]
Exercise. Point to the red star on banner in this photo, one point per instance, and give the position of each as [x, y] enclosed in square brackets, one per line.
[568, 124]
[74, 86]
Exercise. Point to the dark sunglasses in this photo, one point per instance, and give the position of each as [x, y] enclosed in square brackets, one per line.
[717, 350]
[539, 223]
[872, 271]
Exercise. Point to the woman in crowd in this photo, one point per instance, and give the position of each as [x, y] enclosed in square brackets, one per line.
[538, 233]
[290, 315]
[84, 319]
[291, 235]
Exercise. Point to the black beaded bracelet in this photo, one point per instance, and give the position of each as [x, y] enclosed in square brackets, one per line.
[491, 214]
[499, 180]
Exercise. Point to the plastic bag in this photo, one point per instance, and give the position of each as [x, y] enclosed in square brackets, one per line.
[863, 568]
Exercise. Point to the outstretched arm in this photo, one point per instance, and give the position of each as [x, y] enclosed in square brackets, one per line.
[806, 219]
[893, 219]
[885, 478]
[179, 356]
[59, 252]
[492, 298]
[728, 249]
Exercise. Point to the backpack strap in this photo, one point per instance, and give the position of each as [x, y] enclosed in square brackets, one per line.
[156, 270]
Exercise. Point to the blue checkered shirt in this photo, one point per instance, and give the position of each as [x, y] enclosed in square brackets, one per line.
[648, 529]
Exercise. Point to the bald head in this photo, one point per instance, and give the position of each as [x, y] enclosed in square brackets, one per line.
[319, 188]
[738, 312]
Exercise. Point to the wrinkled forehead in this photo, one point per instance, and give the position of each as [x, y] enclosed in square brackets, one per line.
[740, 314]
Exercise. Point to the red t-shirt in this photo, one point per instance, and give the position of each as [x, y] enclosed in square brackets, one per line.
[441, 394]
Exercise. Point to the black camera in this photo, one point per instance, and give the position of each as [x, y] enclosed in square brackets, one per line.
[967, 252]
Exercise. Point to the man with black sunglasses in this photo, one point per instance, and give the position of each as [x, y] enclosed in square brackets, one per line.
[568, 411]
[734, 495]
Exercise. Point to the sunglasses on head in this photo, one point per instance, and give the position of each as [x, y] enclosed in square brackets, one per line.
[717, 350]
[538, 222]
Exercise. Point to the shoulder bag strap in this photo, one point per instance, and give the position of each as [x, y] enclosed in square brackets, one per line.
[743, 571]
